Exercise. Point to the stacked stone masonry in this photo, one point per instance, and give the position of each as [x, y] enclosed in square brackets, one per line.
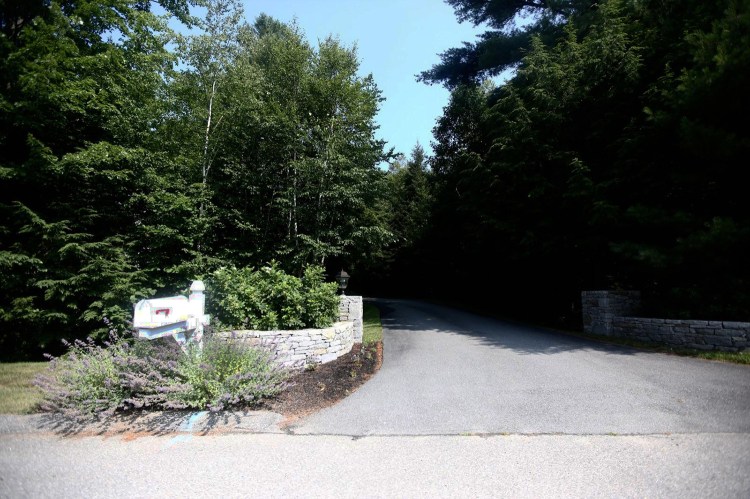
[701, 335]
[603, 314]
[299, 348]
[350, 309]
[600, 308]
[302, 347]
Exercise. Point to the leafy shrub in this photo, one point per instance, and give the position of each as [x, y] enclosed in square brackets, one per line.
[123, 375]
[228, 373]
[321, 303]
[269, 298]
[85, 380]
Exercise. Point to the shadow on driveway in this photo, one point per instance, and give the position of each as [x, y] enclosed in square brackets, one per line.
[521, 338]
[144, 423]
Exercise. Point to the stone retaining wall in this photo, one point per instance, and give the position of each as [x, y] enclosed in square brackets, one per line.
[606, 312]
[701, 335]
[301, 347]
[309, 346]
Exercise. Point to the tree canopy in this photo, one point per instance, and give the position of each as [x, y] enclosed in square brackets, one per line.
[611, 158]
[135, 159]
[513, 24]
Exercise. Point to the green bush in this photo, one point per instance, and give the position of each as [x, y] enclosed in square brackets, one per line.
[321, 303]
[269, 298]
[86, 380]
[126, 374]
[228, 374]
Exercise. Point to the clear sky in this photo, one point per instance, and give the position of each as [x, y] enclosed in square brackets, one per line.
[396, 39]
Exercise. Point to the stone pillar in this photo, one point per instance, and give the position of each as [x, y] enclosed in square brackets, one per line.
[350, 309]
[599, 308]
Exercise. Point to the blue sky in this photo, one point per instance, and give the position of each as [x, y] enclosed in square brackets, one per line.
[396, 39]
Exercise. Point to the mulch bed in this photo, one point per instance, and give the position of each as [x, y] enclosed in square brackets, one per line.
[322, 386]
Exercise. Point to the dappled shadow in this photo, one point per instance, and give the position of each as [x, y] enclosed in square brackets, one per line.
[219, 420]
[144, 423]
[152, 423]
[418, 316]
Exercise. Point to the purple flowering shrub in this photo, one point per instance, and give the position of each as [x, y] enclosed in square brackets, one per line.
[85, 380]
[228, 374]
[125, 374]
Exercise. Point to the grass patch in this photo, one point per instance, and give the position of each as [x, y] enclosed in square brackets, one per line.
[733, 357]
[17, 393]
[372, 330]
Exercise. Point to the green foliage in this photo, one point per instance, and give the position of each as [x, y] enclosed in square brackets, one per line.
[320, 301]
[512, 26]
[372, 329]
[269, 298]
[126, 375]
[295, 172]
[86, 380]
[226, 374]
[90, 210]
[610, 159]
[410, 198]
[407, 209]
[123, 177]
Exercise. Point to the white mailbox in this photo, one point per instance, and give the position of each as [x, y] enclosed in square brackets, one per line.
[160, 312]
[181, 317]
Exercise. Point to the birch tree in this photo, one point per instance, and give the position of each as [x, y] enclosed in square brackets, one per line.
[209, 56]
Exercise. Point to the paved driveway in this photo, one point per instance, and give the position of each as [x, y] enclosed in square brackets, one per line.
[451, 372]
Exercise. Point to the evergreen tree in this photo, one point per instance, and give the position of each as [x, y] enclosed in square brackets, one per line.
[610, 159]
[79, 106]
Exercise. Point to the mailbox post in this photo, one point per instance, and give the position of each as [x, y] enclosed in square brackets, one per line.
[197, 302]
[180, 317]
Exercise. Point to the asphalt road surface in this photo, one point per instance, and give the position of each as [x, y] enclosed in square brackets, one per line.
[450, 372]
[463, 406]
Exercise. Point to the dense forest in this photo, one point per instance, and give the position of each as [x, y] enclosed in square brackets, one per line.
[612, 159]
[135, 158]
